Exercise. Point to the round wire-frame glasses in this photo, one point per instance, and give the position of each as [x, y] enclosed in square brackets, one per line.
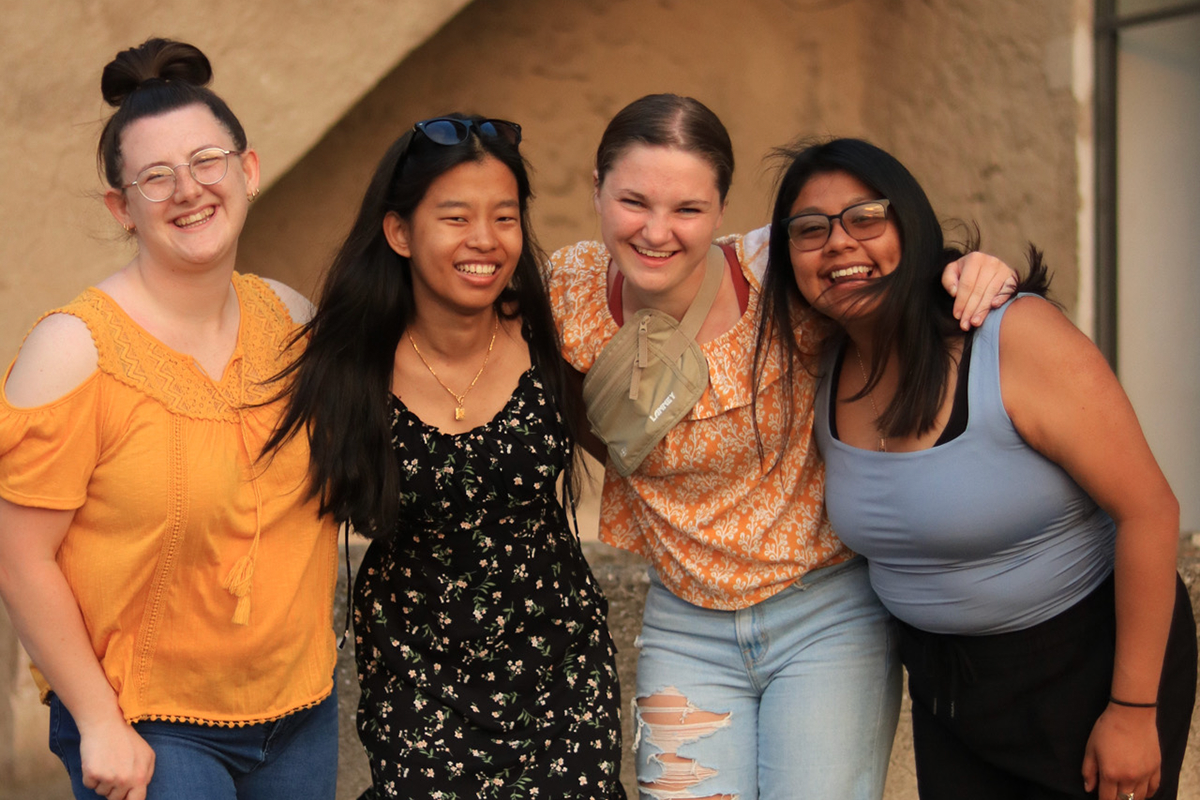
[207, 166]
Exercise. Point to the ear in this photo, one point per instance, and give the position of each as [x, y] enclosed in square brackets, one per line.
[115, 202]
[395, 230]
[250, 171]
[596, 190]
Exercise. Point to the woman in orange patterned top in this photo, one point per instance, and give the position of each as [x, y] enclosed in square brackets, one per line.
[175, 597]
[767, 664]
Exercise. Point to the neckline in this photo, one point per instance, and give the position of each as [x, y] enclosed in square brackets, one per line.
[190, 361]
[741, 285]
[502, 413]
[962, 392]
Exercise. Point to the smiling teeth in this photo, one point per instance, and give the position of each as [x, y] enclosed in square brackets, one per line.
[652, 253]
[849, 272]
[477, 269]
[192, 219]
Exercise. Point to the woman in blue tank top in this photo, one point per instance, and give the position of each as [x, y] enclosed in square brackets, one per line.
[1012, 514]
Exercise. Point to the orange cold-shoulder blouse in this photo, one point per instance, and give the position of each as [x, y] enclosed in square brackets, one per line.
[204, 577]
[721, 528]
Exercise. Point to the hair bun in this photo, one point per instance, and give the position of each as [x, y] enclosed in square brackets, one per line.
[154, 59]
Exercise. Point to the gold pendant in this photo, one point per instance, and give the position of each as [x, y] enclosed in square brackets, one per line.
[459, 413]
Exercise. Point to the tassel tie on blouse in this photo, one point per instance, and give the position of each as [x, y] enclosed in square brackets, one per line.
[240, 577]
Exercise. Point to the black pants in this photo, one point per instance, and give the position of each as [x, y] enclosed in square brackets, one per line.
[1009, 715]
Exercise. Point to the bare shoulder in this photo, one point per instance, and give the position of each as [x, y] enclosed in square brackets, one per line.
[1034, 328]
[299, 306]
[57, 356]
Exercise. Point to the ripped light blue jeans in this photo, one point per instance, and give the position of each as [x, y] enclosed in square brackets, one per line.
[796, 696]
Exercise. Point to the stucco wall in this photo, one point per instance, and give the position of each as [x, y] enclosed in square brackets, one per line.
[976, 98]
[288, 70]
[561, 70]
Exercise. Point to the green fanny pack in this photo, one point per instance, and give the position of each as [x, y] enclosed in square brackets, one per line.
[648, 377]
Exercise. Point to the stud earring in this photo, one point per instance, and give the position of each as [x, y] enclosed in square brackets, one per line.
[129, 228]
[253, 194]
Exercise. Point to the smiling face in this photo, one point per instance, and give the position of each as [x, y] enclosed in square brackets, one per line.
[659, 209]
[464, 237]
[828, 276]
[197, 226]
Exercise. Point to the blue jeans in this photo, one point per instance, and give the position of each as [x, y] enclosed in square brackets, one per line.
[286, 759]
[797, 696]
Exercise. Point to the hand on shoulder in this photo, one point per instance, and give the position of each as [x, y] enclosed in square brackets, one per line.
[299, 306]
[57, 356]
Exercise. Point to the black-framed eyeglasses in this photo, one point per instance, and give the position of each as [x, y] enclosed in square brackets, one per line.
[208, 166]
[861, 221]
[451, 131]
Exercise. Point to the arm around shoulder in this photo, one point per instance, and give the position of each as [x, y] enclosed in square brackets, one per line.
[57, 356]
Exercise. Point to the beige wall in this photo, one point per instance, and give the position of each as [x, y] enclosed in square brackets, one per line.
[975, 96]
[288, 70]
[766, 69]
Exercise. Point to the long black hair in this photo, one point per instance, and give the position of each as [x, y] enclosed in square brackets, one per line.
[914, 313]
[338, 390]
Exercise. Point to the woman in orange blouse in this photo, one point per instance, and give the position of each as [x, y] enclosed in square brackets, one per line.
[766, 662]
[174, 596]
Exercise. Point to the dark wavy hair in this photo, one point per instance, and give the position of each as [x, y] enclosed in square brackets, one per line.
[337, 392]
[914, 315]
[157, 76]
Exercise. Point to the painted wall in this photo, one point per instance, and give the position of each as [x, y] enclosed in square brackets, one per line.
[1158, 285]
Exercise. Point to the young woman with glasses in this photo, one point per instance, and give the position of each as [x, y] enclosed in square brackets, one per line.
[439, 415]
[173, 595]
[1050, 645]
[766, 663]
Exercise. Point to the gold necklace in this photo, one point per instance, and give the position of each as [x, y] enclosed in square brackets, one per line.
[459, 411]
[871, 396]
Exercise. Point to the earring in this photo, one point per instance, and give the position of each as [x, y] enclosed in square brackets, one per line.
[253, 194]
[129, 228]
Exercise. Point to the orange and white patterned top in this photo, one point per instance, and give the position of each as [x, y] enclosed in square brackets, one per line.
[722, 529]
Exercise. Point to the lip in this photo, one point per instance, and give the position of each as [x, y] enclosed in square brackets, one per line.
[194, 219]
[477, 269]
[653, 255]
[865, 272]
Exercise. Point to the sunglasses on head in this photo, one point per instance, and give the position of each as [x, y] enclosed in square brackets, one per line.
[451, 131]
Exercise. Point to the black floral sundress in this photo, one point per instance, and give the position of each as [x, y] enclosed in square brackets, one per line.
[486, 666]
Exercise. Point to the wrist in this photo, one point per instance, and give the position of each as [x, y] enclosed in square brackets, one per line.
[1132, 703]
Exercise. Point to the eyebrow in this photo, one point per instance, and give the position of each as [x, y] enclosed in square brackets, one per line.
[641, 197]
[199, 149]
[454, 204]
[851, 204]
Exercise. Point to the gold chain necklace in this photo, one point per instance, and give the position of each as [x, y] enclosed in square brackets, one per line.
[871, 396]
[459, 411]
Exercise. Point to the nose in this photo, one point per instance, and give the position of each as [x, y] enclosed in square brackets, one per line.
[483, 236]
[838, 238]
[186, 184]
[656, 229]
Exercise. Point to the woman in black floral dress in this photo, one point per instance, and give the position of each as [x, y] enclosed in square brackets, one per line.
[441, 421]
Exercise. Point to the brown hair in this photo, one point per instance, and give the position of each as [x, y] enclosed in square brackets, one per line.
[669, 120]
[157, 76]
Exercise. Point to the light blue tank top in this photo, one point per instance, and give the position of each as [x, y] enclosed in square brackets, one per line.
[979, 535]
